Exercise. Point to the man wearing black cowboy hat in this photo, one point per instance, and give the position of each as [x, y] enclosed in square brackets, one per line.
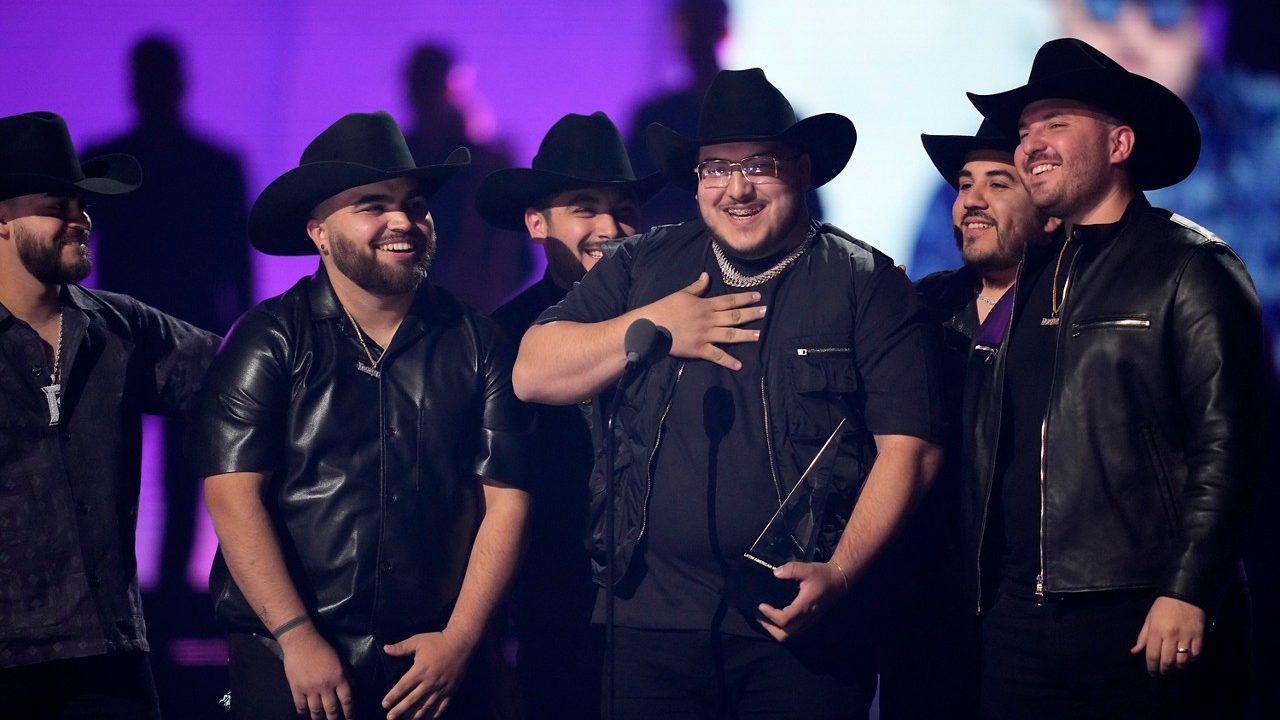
[711, 438]
[78, 367]
[1113, 459]
[363, 450]
[927, 638]
[579, 195]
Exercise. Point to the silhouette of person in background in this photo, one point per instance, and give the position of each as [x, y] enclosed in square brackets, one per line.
[178, 244]
[698, 26]
[480, 265]
[183, 252]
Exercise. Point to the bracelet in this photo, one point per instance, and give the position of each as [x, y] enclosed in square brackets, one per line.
[288, 625]
[842, 573]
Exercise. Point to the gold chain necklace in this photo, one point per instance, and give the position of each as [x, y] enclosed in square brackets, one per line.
[1054, 305]
[372, 368]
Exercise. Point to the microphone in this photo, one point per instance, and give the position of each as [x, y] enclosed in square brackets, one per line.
[646, 343]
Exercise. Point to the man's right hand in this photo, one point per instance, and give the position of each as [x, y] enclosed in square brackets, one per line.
[699, 325]
[316, 678]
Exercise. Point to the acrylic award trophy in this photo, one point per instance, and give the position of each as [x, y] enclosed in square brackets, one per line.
[790, 535]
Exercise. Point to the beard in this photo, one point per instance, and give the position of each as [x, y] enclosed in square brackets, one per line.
[363, 268]
[1003, 256]
[44, 259]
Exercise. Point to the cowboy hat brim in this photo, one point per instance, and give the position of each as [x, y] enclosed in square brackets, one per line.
[504, 195]
[278, 218]
[1167, 137]
[949, 153]
[828, 139]
[113, 174]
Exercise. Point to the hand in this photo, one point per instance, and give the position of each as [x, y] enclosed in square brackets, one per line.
[1171, 624]
[316, 678]
[438, 664]
[821, 586]
[697, 323]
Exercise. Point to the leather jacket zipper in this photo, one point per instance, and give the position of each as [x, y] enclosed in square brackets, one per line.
[657, 440]
[1136, 323]
[768, 438]
[1041, 580]
[802, 352]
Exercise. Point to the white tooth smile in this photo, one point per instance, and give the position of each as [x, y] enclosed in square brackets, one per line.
[396, 247]
[743, 212]
[1043, 168]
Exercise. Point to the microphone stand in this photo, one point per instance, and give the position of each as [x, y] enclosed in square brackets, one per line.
[611, 541]
[644, 343]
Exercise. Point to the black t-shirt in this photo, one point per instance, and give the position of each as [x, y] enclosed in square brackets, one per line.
[1028, 382]
[1028, 373]
[712, 493]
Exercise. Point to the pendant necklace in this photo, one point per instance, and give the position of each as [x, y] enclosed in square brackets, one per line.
[370, 369]
[1055, 306]
[986, 300]
[53, 391]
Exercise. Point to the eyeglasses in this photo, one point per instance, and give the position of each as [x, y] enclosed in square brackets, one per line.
[1164, 14]
[757, 169]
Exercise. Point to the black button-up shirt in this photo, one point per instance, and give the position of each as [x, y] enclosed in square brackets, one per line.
[69, 492]
[373, 483]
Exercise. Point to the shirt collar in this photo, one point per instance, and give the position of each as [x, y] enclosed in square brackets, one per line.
[71, 296]
[1106, 232]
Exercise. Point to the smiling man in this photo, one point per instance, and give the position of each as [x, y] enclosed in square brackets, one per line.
[927, 647]
[78, 367]
[1115, 456]
[712, 438]
[363, 450]
[579, 194]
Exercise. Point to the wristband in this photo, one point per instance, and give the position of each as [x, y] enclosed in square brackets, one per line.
[288, 625]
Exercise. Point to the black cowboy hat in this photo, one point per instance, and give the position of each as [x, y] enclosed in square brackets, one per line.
[36, 156]
[579, 151]
[740, 106]
[1167, 138]
[949, 153]
[358, 149]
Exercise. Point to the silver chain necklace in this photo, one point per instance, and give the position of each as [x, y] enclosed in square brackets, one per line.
[372, 368]
[53, 391]
[733, 278]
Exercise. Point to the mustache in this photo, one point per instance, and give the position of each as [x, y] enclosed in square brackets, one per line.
[1037, 157]
[975, 213]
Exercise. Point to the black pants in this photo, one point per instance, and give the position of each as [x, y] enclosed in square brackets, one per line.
[704, 675]
[260, 689]
[111, 686]
[1069, 659]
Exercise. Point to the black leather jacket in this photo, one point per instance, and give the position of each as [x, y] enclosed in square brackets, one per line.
[811, 374]
[373, 481]
[1151, 441]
